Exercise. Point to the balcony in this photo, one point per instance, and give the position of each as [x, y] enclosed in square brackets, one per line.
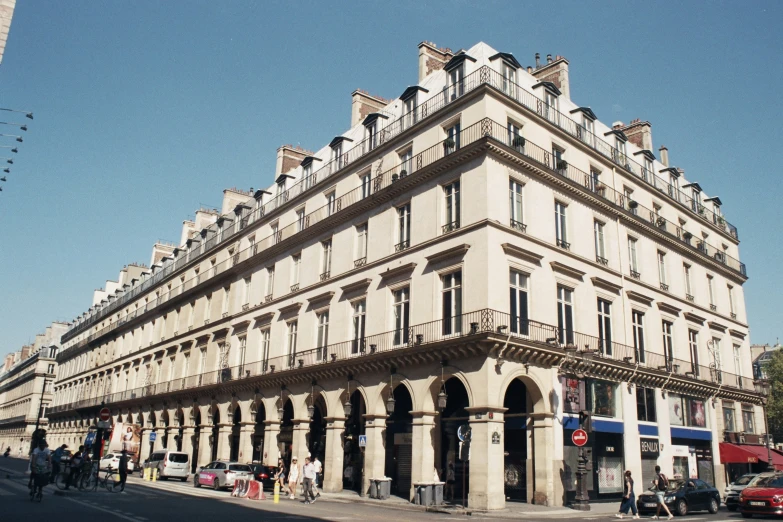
[636, 275]
[518, 225]
[450, 227]
[325, 276]
[454, 331]
[360, 262]
[601, 260]
[403, 245]
[565, 245]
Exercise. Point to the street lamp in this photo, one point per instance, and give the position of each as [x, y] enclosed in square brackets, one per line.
[27, 114]
[390, 401]
[18, 138]
[36, 433]
[20, 125]
[763, 388]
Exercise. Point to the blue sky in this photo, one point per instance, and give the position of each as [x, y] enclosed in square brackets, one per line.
[145, 110]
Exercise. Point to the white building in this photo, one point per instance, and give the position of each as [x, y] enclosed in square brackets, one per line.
[451, 259]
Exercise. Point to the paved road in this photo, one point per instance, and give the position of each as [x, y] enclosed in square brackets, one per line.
[144, 502]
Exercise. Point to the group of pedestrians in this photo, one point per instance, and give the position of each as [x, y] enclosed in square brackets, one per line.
[659, 485]
[310, 473]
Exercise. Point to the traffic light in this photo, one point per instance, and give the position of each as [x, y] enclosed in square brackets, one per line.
[586, 420]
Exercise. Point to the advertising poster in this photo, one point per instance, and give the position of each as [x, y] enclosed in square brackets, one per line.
[698, 417]
[676, 417]
[126, 437]
[573, 395]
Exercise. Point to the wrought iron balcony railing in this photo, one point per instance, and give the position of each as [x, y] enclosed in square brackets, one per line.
[455, 329]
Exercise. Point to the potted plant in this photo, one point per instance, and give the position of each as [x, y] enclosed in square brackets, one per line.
[449, 143]
[518, 142]
[562, 165]
[394, 177]
[687, 236]
[660, 222]
[721, 221]
[403, 173]
[600, 188]
[632, 204]
[701, 210]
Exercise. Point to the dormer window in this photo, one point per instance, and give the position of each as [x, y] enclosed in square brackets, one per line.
[549, 108]
[508, 69]
[674, 186]
[410, 100]
[338, 160]
[456, 83]
[619, 144]
[307, 175]
[586, 131]
[647, 173]
[372, 127]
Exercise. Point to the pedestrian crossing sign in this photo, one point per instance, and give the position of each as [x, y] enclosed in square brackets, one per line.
[362, 441]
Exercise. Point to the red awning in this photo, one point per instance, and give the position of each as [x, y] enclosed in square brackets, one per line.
[748, 454]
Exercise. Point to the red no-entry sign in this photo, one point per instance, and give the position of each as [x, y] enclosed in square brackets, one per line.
[105, 414]
[579, 437]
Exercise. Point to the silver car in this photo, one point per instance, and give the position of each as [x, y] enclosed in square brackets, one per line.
[734, 489]
[221, 474]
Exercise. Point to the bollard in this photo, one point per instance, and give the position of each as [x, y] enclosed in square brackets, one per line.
[154, 474]
[146, 474]
[277, 492]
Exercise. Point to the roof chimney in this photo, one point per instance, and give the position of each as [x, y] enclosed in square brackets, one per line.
[555, 71]
[432, 58]
[363, 104]
[639, 133]
[529, 70]
[664, 155]
[288, 158]
[617, 125]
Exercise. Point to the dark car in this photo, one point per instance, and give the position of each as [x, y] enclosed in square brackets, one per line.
[763, 496]
[264, 474]
[682, 497]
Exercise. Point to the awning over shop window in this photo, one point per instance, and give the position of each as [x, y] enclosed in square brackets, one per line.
[748, 454]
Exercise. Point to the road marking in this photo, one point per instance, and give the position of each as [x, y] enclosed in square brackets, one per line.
[6, 493]
[105, 510]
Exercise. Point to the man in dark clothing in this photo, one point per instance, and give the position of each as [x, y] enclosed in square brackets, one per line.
[661, 484]
[123, 469]
[56, 459]
[77, 459]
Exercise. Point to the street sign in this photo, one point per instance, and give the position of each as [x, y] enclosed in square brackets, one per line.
[153, 436]
[362, 441]
[105, 414]
[463, 432]
[90, 438]
[579, 437]
[105, 425]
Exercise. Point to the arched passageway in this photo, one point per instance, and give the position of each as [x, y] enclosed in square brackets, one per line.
[214, 438]
[399, 440]
[234, 439]
[316, 442]
[258, 433]
[451, 418]
[286, 436]
[515, 441]
[353, 462]
[194, 439]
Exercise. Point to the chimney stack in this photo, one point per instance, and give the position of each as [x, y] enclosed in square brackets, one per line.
[664, 155]
[529, 70]
[617, 125]
[432, 58]
[639, 133]
[363, 103]
[288, 158]
[555, 71]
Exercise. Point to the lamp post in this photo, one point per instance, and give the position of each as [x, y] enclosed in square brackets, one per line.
[36, 435]
[763, 387]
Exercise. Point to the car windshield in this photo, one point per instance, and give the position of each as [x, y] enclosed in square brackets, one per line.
[178, 457]
[744, 480]
[258, 468]
[768, 481]
[239, 467]
[674, 485]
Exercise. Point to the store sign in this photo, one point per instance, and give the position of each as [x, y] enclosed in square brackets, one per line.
[649, 447]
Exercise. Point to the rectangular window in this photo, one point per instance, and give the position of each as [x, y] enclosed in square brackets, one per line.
[451, 301]
[728, 417]
[270, 282]
[551, 107]
[300, 220]
[452, 207]
[372, 135]
[296, 264]
[717, 360]
[456, 83]
[359, 318]
[337, 157]
[207, 310]
[648, 172]
[366, 180]
[293, 328]
[688, 289]
[645, 404]
[605, 326]
[191, 314]
[401, 316]
[561, 233]
[307, 175]
[711, 288]
[242, 354]
[515, 205]
[693, 348]
[600, 248]
[732, 308]
[620, 146]
[515, 140]
[410, 116]
[631, 204]
[326, 259]
[638, 335]
[632, 258]
[265, 347]
[738, 364]
[276, 237]
[558, 161]
[331, 203]
[406, 163]
[589, 130]
[668, 345]
[519, 305]
[509, 80]
[747, 418]
[565, 315]
[403, 227]
[323, 334]
[246, 292]
[662, 270]
[452, 141]
[226, 299]
[361, 245]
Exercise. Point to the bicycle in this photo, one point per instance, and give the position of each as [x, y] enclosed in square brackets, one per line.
[109, 482]
[61, 479]
[88, 479]
[40, 479]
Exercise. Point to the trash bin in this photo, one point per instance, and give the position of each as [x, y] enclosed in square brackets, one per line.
[423, 494]
[437, 493]
[384, 488]
[373, 488]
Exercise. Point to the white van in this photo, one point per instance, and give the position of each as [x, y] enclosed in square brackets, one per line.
[170, 464]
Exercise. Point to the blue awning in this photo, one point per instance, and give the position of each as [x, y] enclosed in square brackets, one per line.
[687, 433]
[646, 429]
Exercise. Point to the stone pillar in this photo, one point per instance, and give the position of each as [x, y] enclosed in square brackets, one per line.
[271, 449]
[487, 480]
[224, 441]
[144, 447]
[375, 452]
[204, 448]
[246, 431]
[632, 453]
[543, 459]
[333, 460]
[423, 465]
[160, 435]
[187, 440]
[299, 446]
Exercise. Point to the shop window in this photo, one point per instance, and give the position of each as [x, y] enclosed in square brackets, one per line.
[602, 398]
[728, 418]
[687, 411]
[747, 418]
[645, 404]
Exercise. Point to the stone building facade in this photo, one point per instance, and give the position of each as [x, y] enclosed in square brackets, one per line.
[481, 252]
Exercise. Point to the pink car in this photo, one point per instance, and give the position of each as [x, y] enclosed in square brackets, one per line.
[221, 474]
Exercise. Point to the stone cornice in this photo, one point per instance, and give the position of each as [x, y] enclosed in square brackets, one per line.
[605, 284]
[567, 270]
[521, 253]
[453, 253]
[398, 271]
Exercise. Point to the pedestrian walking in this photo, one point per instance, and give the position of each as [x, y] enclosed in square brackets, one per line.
[123, 471]
[661, 483]
[629, 499]
[76, 466]
[280, 474]
[7, 452]
[40, 465]
[318, 470]
[308, 476]
[293, 478]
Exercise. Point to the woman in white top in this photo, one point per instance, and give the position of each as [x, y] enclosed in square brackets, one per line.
[293, 478]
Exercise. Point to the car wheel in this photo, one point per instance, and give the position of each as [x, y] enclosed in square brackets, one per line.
[196, 482]
[215, 484]
[713, 506]
[682, 507]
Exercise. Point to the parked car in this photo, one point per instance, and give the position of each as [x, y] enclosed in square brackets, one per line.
[170, 464]
[734, 489]
[221, 474]
[682, 497]
[763, 496]
[112, 460]
[264, 474]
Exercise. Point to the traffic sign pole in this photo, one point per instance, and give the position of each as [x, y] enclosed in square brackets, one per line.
[582, 500]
